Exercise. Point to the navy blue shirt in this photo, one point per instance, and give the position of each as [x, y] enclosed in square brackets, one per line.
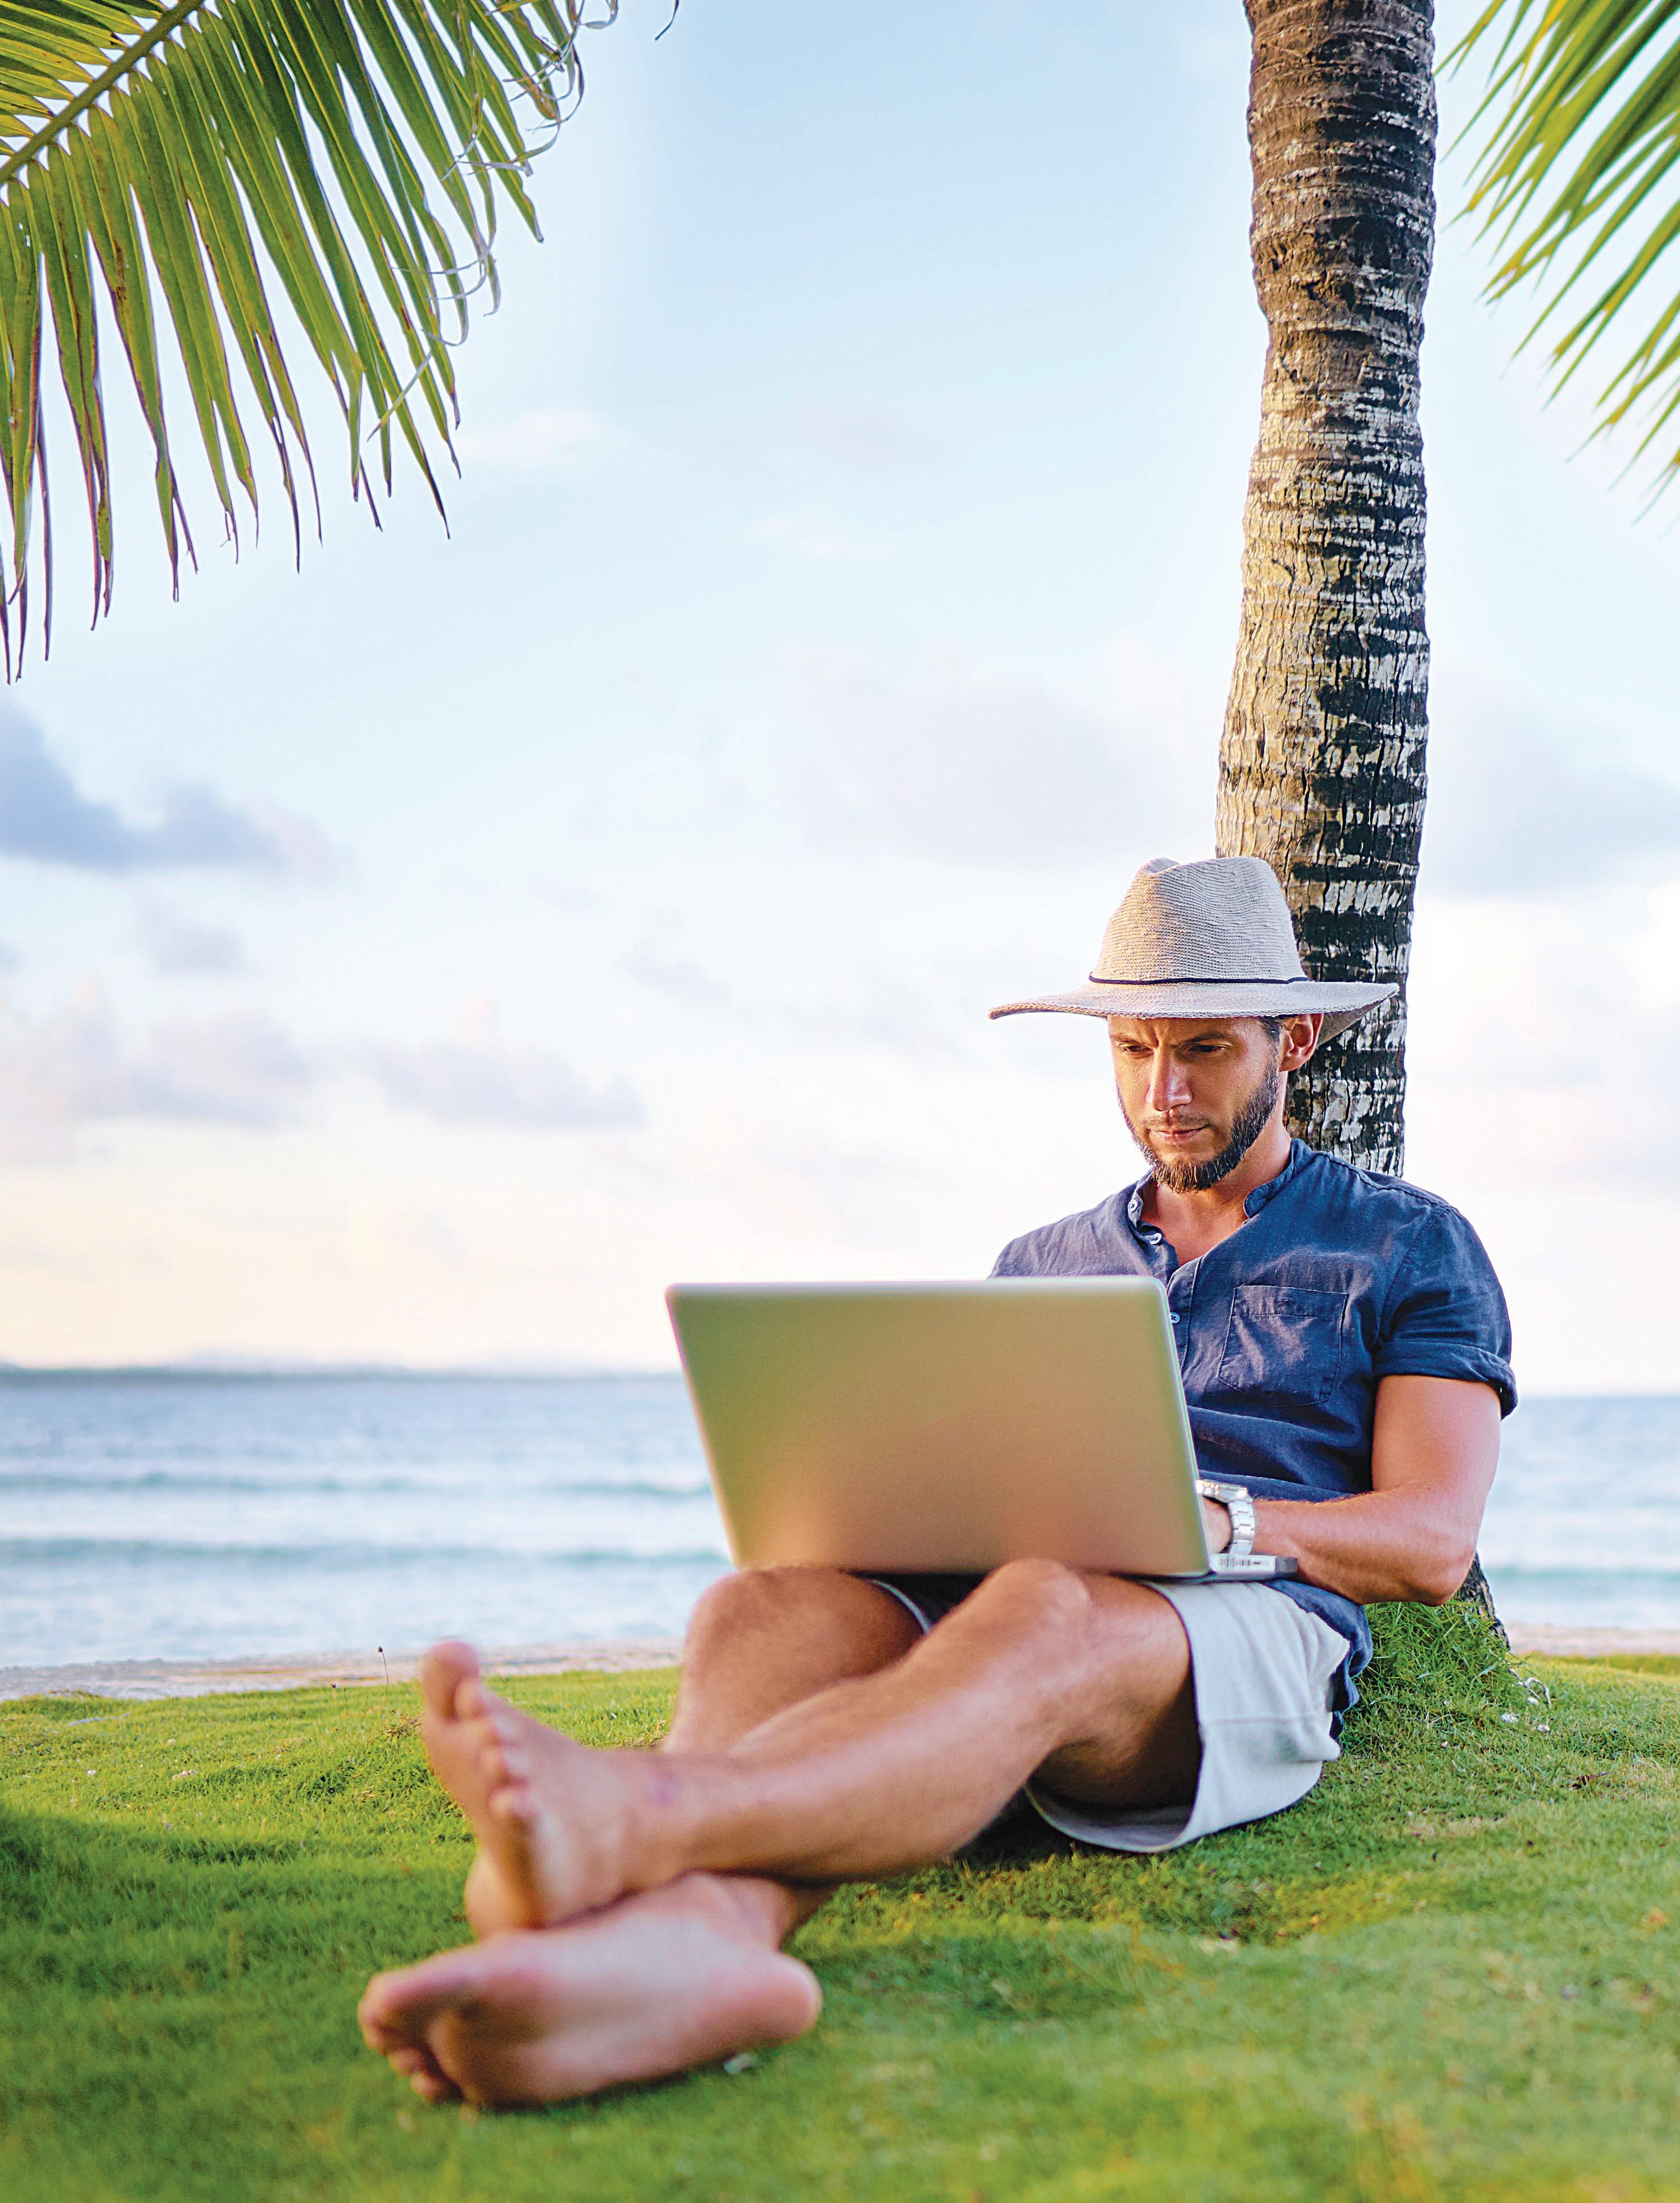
[1339, 1279]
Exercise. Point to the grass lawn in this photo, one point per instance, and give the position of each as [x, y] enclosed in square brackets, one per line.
[1453, 1972]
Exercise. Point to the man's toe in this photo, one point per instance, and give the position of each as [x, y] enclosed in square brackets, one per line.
[376, 2015]
[500, 1764]
[446, 1670]
[514, 1803]
[435, 2085]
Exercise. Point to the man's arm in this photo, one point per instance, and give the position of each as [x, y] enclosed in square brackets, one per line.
[1434, 1445]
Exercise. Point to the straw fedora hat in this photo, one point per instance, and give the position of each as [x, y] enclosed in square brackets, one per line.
[1209, 939]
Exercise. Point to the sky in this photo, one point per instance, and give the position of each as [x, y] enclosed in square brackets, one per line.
[426, 956]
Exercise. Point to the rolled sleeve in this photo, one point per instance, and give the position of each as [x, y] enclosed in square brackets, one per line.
[1445, 1315]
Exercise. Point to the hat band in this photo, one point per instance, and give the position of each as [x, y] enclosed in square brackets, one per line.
[1192, 979]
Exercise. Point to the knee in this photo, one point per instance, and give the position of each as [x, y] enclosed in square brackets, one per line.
[770, 1599]
[1045, 1592]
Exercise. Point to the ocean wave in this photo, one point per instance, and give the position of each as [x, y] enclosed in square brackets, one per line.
[134, 1555]
[1502, 1571]
[540, 1484]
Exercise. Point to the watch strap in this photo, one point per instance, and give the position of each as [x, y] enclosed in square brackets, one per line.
[1239, 1503]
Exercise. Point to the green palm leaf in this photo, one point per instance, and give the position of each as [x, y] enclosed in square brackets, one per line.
[210, 177]
[1577, 176]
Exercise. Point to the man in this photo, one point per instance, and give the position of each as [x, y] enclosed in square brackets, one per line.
[1345, 1351]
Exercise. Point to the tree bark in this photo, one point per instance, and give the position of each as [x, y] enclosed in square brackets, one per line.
[1322, 767]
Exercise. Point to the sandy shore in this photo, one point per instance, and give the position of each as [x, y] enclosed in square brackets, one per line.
[1566, 1643]
[195, 1678]
[190, 1679]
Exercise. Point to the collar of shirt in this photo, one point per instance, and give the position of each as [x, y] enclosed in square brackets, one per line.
[1153, 1240]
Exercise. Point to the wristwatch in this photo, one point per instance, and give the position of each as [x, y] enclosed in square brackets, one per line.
[1239, 1504]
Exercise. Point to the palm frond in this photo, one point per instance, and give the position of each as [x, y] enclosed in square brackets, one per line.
[1579, 178]
[175, 170]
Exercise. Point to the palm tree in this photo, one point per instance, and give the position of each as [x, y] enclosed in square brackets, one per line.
[346, 158]
[1322, 764]
[166, 165]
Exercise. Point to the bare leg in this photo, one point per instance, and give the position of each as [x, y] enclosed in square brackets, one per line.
[658, 1983]
[1086, 1679]
[759, 1643]
[672, 1977]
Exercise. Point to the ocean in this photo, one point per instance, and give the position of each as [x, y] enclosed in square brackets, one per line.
[167, 1516]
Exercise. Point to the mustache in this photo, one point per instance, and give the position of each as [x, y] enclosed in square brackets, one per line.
[1178, 1177]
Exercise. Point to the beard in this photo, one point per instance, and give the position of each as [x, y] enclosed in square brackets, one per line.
[1250, 1122]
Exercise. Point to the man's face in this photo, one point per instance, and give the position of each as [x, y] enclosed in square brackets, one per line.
[1198, 1092]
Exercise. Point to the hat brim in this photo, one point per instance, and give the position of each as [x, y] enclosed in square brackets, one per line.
[1339, 1007]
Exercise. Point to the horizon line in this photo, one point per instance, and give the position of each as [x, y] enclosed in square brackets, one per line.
[212, 1367]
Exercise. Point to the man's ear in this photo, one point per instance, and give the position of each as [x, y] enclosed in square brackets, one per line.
[1300, 1041]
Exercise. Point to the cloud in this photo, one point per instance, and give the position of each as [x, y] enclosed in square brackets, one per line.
[1544, 1049]
[75, 1067]
[1518, 808]
[482, 1083]
[45, 817]
[866, 438]
[956, 760]
[177, 945]
[883, 1011]
[551, 439]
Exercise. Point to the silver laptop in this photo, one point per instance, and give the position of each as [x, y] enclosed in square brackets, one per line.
[948, 1427]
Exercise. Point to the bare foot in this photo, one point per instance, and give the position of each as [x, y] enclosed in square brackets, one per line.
[661, 1983]
[562, 1828]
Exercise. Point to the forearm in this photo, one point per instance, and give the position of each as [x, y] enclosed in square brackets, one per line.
[1400, 1544]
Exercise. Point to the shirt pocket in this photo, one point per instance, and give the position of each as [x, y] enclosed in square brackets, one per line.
[1284, 1343]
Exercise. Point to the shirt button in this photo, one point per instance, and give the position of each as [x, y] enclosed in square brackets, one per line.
[1174, 1318]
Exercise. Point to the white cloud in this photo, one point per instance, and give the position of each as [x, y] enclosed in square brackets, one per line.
[482, 1083]
[876, 1009]
[179, 946]
[1546, 1043]
[959, 760]
[75, 1067]
[45, 816]
[1518, 806]
[551, 439]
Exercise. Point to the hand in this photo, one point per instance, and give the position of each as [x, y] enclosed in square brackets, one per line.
[1216, 1523]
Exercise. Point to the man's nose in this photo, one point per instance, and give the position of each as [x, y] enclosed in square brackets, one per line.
[1167, 1087]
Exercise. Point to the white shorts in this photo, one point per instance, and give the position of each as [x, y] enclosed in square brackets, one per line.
[1263, 1670]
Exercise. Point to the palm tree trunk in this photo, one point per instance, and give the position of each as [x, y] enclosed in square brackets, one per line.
[1321, 770]
[1321, 764]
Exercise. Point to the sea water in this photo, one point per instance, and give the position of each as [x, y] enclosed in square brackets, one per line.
[167, 1516]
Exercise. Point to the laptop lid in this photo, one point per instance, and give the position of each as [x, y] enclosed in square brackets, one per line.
[901, 1428]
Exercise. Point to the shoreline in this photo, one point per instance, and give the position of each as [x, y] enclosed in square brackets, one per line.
[1563, 1640]
[140, 1680]
[197, 1678]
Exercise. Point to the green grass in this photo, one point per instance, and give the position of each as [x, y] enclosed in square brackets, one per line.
[1453, 1972]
